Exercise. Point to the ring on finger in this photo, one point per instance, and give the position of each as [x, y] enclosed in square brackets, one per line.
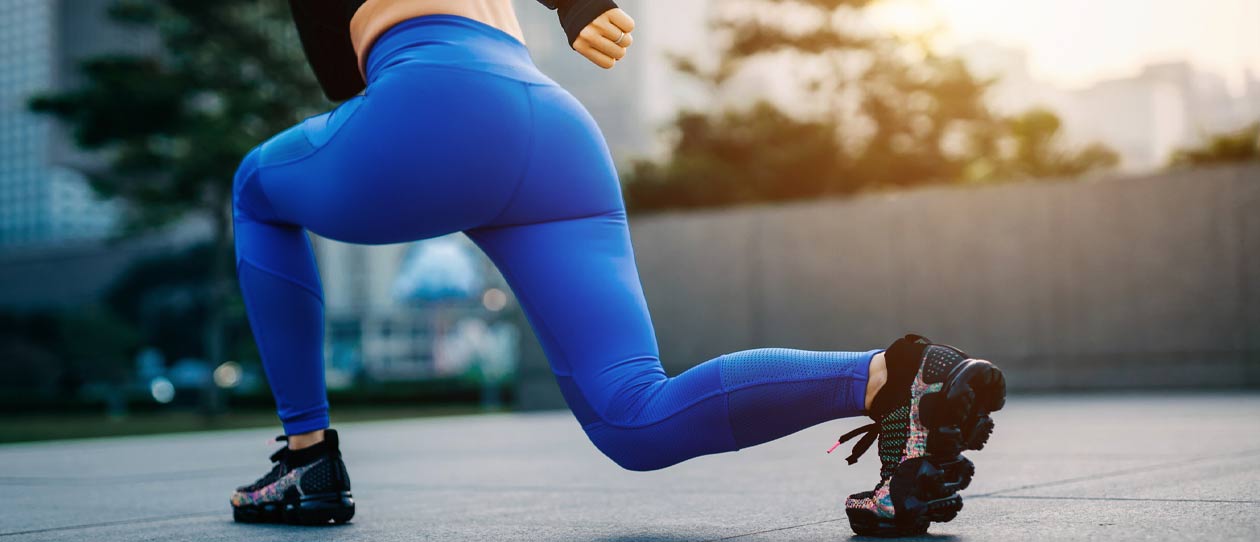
[621, 39]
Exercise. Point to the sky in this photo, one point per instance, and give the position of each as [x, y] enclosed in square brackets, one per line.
[1075, 42]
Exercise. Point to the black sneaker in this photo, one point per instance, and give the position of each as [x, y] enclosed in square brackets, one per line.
[935, 404]
[306, 487]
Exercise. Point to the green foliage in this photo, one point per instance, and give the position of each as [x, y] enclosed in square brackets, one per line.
[169, 126]
[172, 124]
[165, 299]
[917, 109]
[58, 351]
[724, 160]
[98, 345]
[1030, 145]
[887, 112]
[1238, 146]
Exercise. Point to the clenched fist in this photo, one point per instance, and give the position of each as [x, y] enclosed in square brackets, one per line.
[605, 40]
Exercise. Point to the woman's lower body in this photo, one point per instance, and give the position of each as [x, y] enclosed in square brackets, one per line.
[459, 132]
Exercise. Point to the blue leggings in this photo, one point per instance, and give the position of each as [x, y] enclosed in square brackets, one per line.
[458, 131]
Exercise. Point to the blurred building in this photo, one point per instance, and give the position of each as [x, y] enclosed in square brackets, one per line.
[412, 311]
[368, 331]
[1251, 96]
[632, 101]
[42, 199]
[1144, 117]
[51, 224]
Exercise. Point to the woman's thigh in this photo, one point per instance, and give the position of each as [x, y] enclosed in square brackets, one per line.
[424, 152]
[564, 247]
[570, 173]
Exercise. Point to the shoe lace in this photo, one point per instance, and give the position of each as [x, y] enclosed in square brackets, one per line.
[871, 431]
[283, 452]
[278, 469]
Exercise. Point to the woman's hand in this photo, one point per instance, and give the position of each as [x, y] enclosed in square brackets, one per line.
[605, 40]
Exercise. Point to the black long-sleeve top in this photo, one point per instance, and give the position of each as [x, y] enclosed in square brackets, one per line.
[324, 28]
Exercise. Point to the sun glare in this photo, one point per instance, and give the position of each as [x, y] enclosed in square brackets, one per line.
[1075, 42]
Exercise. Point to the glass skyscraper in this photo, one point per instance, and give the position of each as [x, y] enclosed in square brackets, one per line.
[42, 201]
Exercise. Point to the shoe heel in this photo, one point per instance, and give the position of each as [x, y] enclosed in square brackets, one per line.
[926, 489]
[944, 510]
[956, 474]
[957, 417]
[321, 508]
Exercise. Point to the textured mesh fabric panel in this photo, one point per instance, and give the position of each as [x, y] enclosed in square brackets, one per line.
[780, 364]
[669, 396]
[763, 413]
[938, 362]
[781, 367]
[345, 475]
[894, 430]
[734, 401]
[267, 479]
[778, 391]
[700, 429]
[321, 477]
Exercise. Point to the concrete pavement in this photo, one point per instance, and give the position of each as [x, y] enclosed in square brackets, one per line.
[1121, 467]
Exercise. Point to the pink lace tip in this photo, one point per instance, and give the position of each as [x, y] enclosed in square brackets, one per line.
[833, 447]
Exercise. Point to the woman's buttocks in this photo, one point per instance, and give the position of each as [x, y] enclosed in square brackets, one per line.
[432, 149]
[427, 150]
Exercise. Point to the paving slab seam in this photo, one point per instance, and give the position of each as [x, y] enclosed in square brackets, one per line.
[113, 523]
[764, 531]
[1125, 499]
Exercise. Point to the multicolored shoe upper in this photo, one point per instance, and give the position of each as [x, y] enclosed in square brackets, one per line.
[272, 486]
[317, 469]
[895, 410]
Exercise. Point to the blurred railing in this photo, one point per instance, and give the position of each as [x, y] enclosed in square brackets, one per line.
[1149, 281]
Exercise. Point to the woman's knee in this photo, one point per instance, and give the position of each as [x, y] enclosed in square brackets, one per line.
[667, 423]
[248, 199]
[629, 456]
[634, 449]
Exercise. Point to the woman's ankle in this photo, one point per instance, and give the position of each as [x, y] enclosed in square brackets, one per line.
[306, 440]
[877, 376]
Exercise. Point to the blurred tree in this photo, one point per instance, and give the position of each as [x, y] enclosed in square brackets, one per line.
[52, 353]
[97, 345]
[27, 344]
[164, 298]
[1030, 145]
[172, 125]
[875, 110]
[1238, 146]
[726, 159]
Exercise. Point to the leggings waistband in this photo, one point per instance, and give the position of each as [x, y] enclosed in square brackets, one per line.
[452, 41]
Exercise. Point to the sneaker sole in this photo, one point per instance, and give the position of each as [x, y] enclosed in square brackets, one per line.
[925, 489]
[957, 417]
[317, 509]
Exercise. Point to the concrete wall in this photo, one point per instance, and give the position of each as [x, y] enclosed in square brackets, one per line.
[1147, 281]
